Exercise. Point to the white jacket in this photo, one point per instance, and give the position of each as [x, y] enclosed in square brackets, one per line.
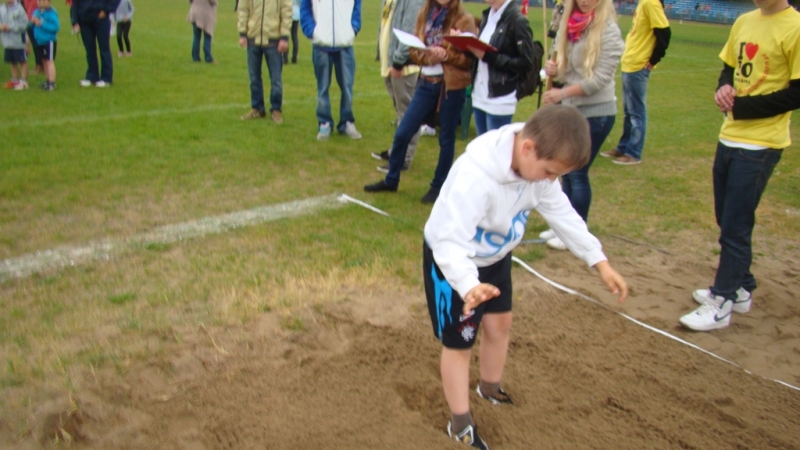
[483, 207]
[331, 23]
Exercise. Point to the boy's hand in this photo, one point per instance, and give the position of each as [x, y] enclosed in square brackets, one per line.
[479, 294]
[612, 279]
[724, 97]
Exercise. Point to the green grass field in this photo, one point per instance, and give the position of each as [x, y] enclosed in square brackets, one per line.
[165, 145]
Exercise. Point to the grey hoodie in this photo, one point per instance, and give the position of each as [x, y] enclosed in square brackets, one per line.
[16, 18]
[124, 11]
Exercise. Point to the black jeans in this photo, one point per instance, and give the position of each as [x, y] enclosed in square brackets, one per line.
[295, 43]
[123, 31]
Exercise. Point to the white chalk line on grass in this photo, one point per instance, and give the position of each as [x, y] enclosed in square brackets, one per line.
[66, 256]
[596, 302]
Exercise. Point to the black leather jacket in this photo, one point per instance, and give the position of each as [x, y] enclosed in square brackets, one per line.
[513, 40]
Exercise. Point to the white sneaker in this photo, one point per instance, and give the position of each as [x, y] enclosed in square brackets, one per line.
[425, 130]
[547, 235]
[709, 316]
[21, 85]
[740, 305]
[85, 83]
[350, 131]
[102, 84]
[556, 244]
[324, 132]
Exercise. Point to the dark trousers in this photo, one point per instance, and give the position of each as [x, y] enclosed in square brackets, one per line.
[123, 31]
[295, 43]
[37, 51]
[96, 34]
[740, 177]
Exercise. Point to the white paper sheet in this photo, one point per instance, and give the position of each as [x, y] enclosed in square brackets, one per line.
[408, 39]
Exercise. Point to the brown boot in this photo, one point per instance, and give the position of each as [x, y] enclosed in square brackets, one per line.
[277, 117]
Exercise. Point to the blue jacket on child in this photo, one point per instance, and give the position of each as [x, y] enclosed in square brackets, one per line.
[49, 28]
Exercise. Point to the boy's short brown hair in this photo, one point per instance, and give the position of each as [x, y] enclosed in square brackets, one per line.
[561, 133]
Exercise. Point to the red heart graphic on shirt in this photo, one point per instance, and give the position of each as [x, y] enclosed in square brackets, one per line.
[751, 50]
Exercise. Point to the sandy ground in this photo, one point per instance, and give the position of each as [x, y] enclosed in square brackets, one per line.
[364, 374]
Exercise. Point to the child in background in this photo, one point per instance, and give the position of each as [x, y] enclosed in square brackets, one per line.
[13, 22]
[758, 89]
[30, 6]
[124, 15]
[478, 218]
[45, 28]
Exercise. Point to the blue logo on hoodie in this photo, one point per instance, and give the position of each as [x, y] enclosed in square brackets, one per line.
[497, 241]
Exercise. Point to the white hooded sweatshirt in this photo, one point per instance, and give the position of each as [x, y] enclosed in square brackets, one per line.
[483, 207]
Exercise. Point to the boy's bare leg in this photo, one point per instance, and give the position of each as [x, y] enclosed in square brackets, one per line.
[455, 379]
[15, 71]
[50, 70]
[494, 346]
[24, 69]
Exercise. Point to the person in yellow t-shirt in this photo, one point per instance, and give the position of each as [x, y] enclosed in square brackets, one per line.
[399, 73]
[645, 45]
[759, 87]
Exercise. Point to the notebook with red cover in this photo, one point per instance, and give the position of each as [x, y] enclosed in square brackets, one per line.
[463, 41]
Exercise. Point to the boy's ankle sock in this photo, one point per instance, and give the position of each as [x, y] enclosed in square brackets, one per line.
[489, 389]
[460, 421]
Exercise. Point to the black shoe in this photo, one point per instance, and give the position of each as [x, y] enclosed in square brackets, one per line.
[294, 60]
[380, 186]
[431, 196]
[382, 156]
[501, 397]
[385, 168]
[469, 436]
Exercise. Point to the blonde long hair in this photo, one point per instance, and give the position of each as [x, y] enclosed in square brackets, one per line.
[603, 12]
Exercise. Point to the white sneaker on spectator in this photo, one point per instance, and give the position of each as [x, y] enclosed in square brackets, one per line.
[547, 235]
[102, 84]
[85, 83]
[709, 317]
[556, 243]
[324, 132]
[741, 304]
[21, 85]
[425, 130]
[350, 131]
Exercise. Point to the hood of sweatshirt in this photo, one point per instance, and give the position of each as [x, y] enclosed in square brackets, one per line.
[492, 152]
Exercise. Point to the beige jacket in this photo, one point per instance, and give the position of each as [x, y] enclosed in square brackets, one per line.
[457, 68]
[265, 20]
[203, 13]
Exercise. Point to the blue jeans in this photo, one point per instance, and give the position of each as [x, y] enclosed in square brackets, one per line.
[425, 100]
[485, 122]
[740, 177]
[634, 99]
[275, 67]
[198, 32]
[344, 66]
[576, 183]
[97, 34]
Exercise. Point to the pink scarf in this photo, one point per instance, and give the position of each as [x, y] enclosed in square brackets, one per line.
[577, 23]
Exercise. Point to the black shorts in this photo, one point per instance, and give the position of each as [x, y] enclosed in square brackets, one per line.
[48, 50]
[446, 307]
[15, 56]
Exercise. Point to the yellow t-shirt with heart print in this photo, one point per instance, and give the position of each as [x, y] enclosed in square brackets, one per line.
[765, 54]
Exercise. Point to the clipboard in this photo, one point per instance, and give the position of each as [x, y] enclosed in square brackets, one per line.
[463, 41]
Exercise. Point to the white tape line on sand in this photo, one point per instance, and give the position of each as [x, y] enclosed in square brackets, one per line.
[60, 257]
[587, 298]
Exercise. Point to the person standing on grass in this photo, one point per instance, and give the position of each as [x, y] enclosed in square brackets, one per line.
[588, 45]
[30, 6]
[124, 16]
[45, 29]
[332, 26]
[443, 81]
[758, 89]
[398, 71]
[496, 73]
[264, 27]
[295, 27]
[13, 21]
[474, 225]
[203, 17]
[645, 45]
[91, 19]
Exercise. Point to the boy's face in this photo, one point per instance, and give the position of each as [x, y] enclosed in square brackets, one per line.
[43, 4]
[527, 165]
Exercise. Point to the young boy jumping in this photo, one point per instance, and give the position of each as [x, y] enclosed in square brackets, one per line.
[478, 218]
[13, 23]
[758, 89]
